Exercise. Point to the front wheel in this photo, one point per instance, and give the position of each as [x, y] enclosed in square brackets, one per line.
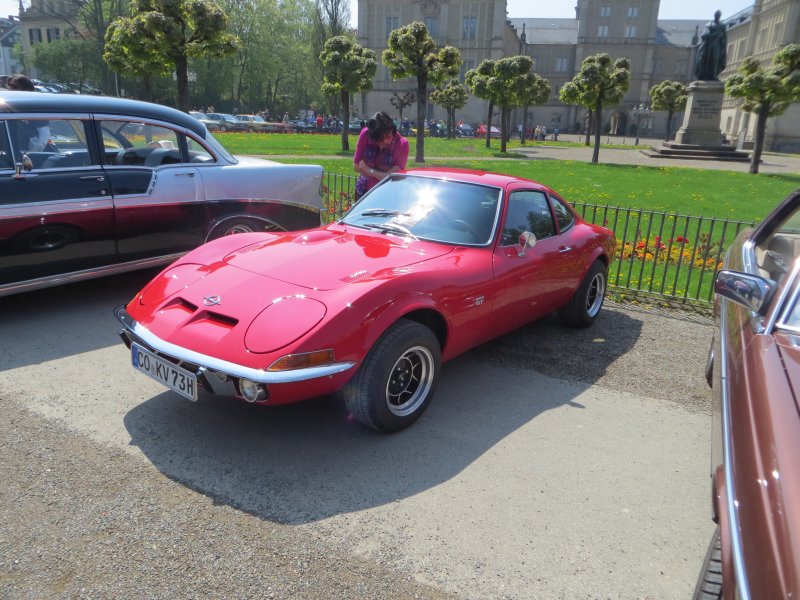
[398, 378]
[584, 306]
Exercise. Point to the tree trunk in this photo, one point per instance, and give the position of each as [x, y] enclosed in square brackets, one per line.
[669, 126]
[503, 126]
[422, 97]
[524, 125]
[345, 98]
[597, 132]
[589, 126]
[761, 130]
[182, 73]
[489, 125]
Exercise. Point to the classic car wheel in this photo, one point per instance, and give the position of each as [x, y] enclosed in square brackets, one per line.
[223, 128]
[234, 226]
[709, 584]
[398, 378]
[48, 237]
[585, 305]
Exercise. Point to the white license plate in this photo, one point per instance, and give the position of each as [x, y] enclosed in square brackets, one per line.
[175, 378]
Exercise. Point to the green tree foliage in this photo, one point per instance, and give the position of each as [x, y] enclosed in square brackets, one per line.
[600, 83]
[535, 90]
[68, 60]
[767, 92]
[413, 53]
[450, 97]
[330, 19]
[670, 96]
[348, 68]
[477, 81]
[171, 31]
[402, 101]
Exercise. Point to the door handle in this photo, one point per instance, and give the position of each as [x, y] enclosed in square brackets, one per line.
[93, 178]
[189, 174]
[564, 249]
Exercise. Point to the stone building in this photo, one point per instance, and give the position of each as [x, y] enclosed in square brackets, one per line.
[9, 35]
[46, 21]
[657, 49]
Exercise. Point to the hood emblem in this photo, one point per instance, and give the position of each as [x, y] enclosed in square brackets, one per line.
[212, 300]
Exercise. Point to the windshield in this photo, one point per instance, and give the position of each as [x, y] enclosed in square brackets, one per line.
[432, 209]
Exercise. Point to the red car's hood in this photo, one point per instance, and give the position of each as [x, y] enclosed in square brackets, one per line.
[325, 259]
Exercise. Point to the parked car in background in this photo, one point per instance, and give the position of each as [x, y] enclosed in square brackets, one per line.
[480, 131]
[464, 131]
[254, 123]
[754, 371]
[227, 122]
[122, 185]
[428, 264]
[210, 124]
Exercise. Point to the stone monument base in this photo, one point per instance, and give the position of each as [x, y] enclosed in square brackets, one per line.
[699, 138]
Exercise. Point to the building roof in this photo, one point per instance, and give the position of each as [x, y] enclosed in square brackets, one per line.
[678, 32]
[548, 31]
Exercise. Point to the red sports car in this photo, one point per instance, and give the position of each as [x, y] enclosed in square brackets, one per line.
[428, 264]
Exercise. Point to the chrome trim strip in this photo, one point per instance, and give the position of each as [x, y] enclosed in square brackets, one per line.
[730, 500]
[54, 207]
[258, 375]
[64, 278]
[792, 292]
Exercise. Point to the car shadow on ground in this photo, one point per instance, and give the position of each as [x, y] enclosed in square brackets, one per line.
[48, 324]
[310, 461]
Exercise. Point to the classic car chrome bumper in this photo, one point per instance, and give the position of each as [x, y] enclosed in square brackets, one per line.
[134, 331]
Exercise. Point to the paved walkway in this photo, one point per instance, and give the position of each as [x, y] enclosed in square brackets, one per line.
[770, 163]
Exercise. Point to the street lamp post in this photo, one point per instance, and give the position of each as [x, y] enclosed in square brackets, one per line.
[639, 112]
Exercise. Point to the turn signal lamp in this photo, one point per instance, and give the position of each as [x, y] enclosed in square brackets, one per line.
[302, 361]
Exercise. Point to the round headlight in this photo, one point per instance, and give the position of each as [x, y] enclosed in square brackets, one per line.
[252, 391]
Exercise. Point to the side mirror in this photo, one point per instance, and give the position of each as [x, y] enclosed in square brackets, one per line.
[754, 293]
[526, 240]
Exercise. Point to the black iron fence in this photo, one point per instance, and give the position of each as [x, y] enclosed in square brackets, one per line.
[665, 256]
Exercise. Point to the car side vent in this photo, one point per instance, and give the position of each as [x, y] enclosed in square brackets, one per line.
[222, 319]
[356, 277]
[180, 303]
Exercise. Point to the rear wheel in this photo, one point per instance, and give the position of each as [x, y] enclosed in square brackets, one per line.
[585, 305]
[709, 584]
[241, 225]
[398, 378]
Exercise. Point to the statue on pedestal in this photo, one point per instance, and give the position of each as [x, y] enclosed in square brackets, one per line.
[712, 53]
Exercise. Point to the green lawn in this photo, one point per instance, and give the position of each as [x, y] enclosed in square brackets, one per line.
[697, 192]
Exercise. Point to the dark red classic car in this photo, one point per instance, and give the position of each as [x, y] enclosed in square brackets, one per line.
[427, 265]
[754, 371]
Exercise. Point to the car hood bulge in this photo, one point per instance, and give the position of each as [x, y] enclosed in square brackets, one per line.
[326, 259]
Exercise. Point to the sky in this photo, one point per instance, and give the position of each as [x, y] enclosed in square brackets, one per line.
[670, 9]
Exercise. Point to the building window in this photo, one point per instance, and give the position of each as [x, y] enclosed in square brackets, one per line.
[392, 23]
[561, 65]
[630, 31]
[605, 11]
[681, 67]
[466, 66]
[602, 31]
[35, 36]
[470, 28]
[432, 23]
[53, 34]
[658, 66]
[633, 11]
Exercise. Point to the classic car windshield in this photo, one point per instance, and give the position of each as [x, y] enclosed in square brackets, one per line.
[433, 209]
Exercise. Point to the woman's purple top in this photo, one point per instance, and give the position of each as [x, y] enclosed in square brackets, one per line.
[393, 155]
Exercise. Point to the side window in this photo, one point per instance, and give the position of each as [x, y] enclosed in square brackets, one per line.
[132, 143]
[50, 143]
[776, 254]
[197, 152]
[564, 217]
[6, 158]
[527, 211]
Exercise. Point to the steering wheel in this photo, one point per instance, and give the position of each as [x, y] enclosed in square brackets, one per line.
[462, 225]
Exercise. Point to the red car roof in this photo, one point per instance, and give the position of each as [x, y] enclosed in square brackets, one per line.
[473, 176]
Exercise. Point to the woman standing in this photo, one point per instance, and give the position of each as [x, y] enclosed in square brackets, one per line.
[380, 151]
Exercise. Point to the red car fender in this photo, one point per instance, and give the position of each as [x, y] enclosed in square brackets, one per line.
[383, 317]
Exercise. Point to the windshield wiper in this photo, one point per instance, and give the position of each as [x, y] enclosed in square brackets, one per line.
[391, 227]
[381, 212]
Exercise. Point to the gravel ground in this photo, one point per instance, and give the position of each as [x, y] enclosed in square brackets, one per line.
[85, 520]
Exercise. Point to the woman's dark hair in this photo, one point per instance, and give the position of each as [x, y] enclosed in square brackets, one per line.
[379, 125]
[20, 83]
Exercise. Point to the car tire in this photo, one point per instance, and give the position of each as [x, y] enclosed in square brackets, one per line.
[46, 238]
[709, 583]
[397, 379]
[223, 128]
[241, 225]
[584, 306]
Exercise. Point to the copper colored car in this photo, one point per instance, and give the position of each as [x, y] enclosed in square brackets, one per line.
[754, 371]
